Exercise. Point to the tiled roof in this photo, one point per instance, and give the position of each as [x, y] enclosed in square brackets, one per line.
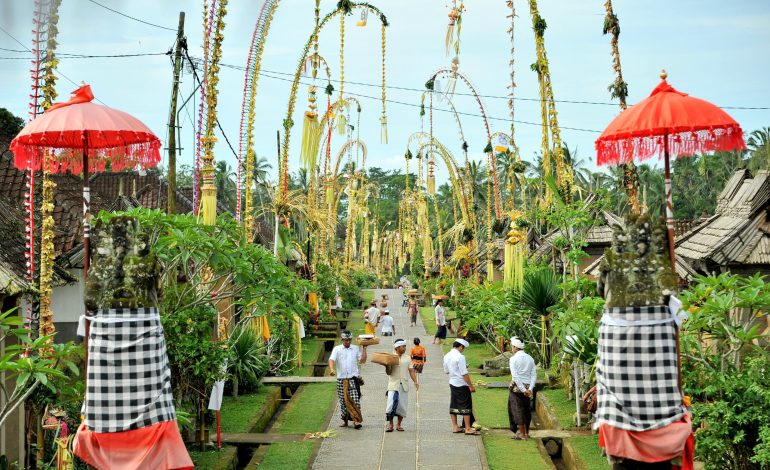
[12, 247]
[738, 232]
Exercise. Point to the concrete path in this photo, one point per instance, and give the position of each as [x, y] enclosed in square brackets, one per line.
[427, 442]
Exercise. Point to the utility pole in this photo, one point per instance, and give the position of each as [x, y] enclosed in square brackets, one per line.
[181, 43]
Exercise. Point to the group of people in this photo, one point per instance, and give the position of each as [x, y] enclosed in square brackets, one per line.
[346, 357]
[374, 316]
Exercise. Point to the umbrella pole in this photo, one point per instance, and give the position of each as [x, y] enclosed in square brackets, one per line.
[669, 204]
[670, 228]
[86, 243]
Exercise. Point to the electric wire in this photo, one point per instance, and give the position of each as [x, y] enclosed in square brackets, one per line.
[131, 17]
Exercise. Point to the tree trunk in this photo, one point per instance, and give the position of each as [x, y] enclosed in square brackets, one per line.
[235, 387]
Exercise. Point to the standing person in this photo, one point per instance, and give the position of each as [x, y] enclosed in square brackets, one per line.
[523, 378]
[440, 335]
[384, 301]
[343, 363]
[372, 317]
[388, 328]
[398, 386]
[413, 309]
[460, 387]
[419, 356]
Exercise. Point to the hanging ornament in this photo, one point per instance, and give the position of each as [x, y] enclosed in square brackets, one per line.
[452, 81]
[384, 129]
[431, 176]
[364, 16]
[342, 122]
[311, 134]
[454, 16]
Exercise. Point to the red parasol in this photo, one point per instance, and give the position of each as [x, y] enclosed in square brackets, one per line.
[82, 134]
[668, 122]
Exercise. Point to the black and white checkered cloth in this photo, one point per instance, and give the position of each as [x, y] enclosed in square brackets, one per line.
[129, 380]
[636, 377]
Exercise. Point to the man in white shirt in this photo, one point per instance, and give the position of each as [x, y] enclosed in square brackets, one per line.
[398, 386]
[388, 328]
[440, 335]
[460, 387]
[372, 317]
[523, 379]
[343, 363]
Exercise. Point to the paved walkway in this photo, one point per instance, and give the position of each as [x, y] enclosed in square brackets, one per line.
[427, 442]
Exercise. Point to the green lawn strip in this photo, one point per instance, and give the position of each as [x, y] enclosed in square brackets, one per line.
[288, 455]
[311, 349]
[306, 412]
[475, 355]
[367, 296]
[504, 453]
[221, 459]
[587, 447]
[490, 406]
[563, 406]
[237, 414]
[428, 316]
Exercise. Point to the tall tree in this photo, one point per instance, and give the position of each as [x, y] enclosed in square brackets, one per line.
[758, 144]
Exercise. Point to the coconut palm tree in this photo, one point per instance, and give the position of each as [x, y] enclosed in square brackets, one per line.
[758, 144]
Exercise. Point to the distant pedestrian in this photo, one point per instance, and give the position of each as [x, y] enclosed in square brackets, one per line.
[419, 356]
[388, 328]
[372, 317]
[384, 301]
[460, 388]
[398, 386]
[523, 378]
[413, 310]
[343, 363]
[440, 335]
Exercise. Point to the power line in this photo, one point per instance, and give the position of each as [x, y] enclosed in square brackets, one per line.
[82, 56]
[131, 17]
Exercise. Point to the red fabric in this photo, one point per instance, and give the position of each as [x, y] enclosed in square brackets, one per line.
[688, 455]
[693, 126]
[158, 447]
[657, 445]
[67, 128]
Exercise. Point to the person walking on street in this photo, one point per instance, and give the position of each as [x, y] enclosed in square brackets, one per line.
[398, 386]
[460, 388]
[440, 335]
[343, 363]
[388, 328]
[523, 379]
[372, 317]
[413, 310]
[419, 356]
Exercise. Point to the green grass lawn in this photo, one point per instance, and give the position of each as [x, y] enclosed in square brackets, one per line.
[562, 405]
[311, 349]
[428, 319]
[236, 413]
[367, 296]
[475, 354]
[306, 412]
[490, 406]
[588, 449]
[503, 453]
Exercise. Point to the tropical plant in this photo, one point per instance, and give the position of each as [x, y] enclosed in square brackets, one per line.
[725, 369]
[758, 144]
[247, 361]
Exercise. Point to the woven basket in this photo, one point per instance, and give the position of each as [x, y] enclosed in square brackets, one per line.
[385, 359]
[413, 292]
[367, 341]
[440, 297]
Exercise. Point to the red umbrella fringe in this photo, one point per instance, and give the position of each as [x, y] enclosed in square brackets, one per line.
[682, 143]
[146, 154]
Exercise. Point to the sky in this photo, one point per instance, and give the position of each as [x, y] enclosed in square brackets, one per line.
[712, 49]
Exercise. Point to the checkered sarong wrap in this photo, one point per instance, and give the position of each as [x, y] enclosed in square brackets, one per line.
[354, 396]
[129, 380]
[636, 377]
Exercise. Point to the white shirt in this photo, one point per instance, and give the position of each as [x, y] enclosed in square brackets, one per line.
[455, 366]
[523, 370]
[374, 315]
[387, 324]
[440, 315]
[346, 361]
[399, 375]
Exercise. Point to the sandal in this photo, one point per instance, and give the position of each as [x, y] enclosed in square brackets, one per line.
[458, 431]
[344, 425]
[389, 429]
[400, 429]
[357, 426]
[517, 438]
[472, 433]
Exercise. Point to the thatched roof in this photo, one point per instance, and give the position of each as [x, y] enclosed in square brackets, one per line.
[13, 274]
[739, 232]
[599, 235]
[683, 269]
